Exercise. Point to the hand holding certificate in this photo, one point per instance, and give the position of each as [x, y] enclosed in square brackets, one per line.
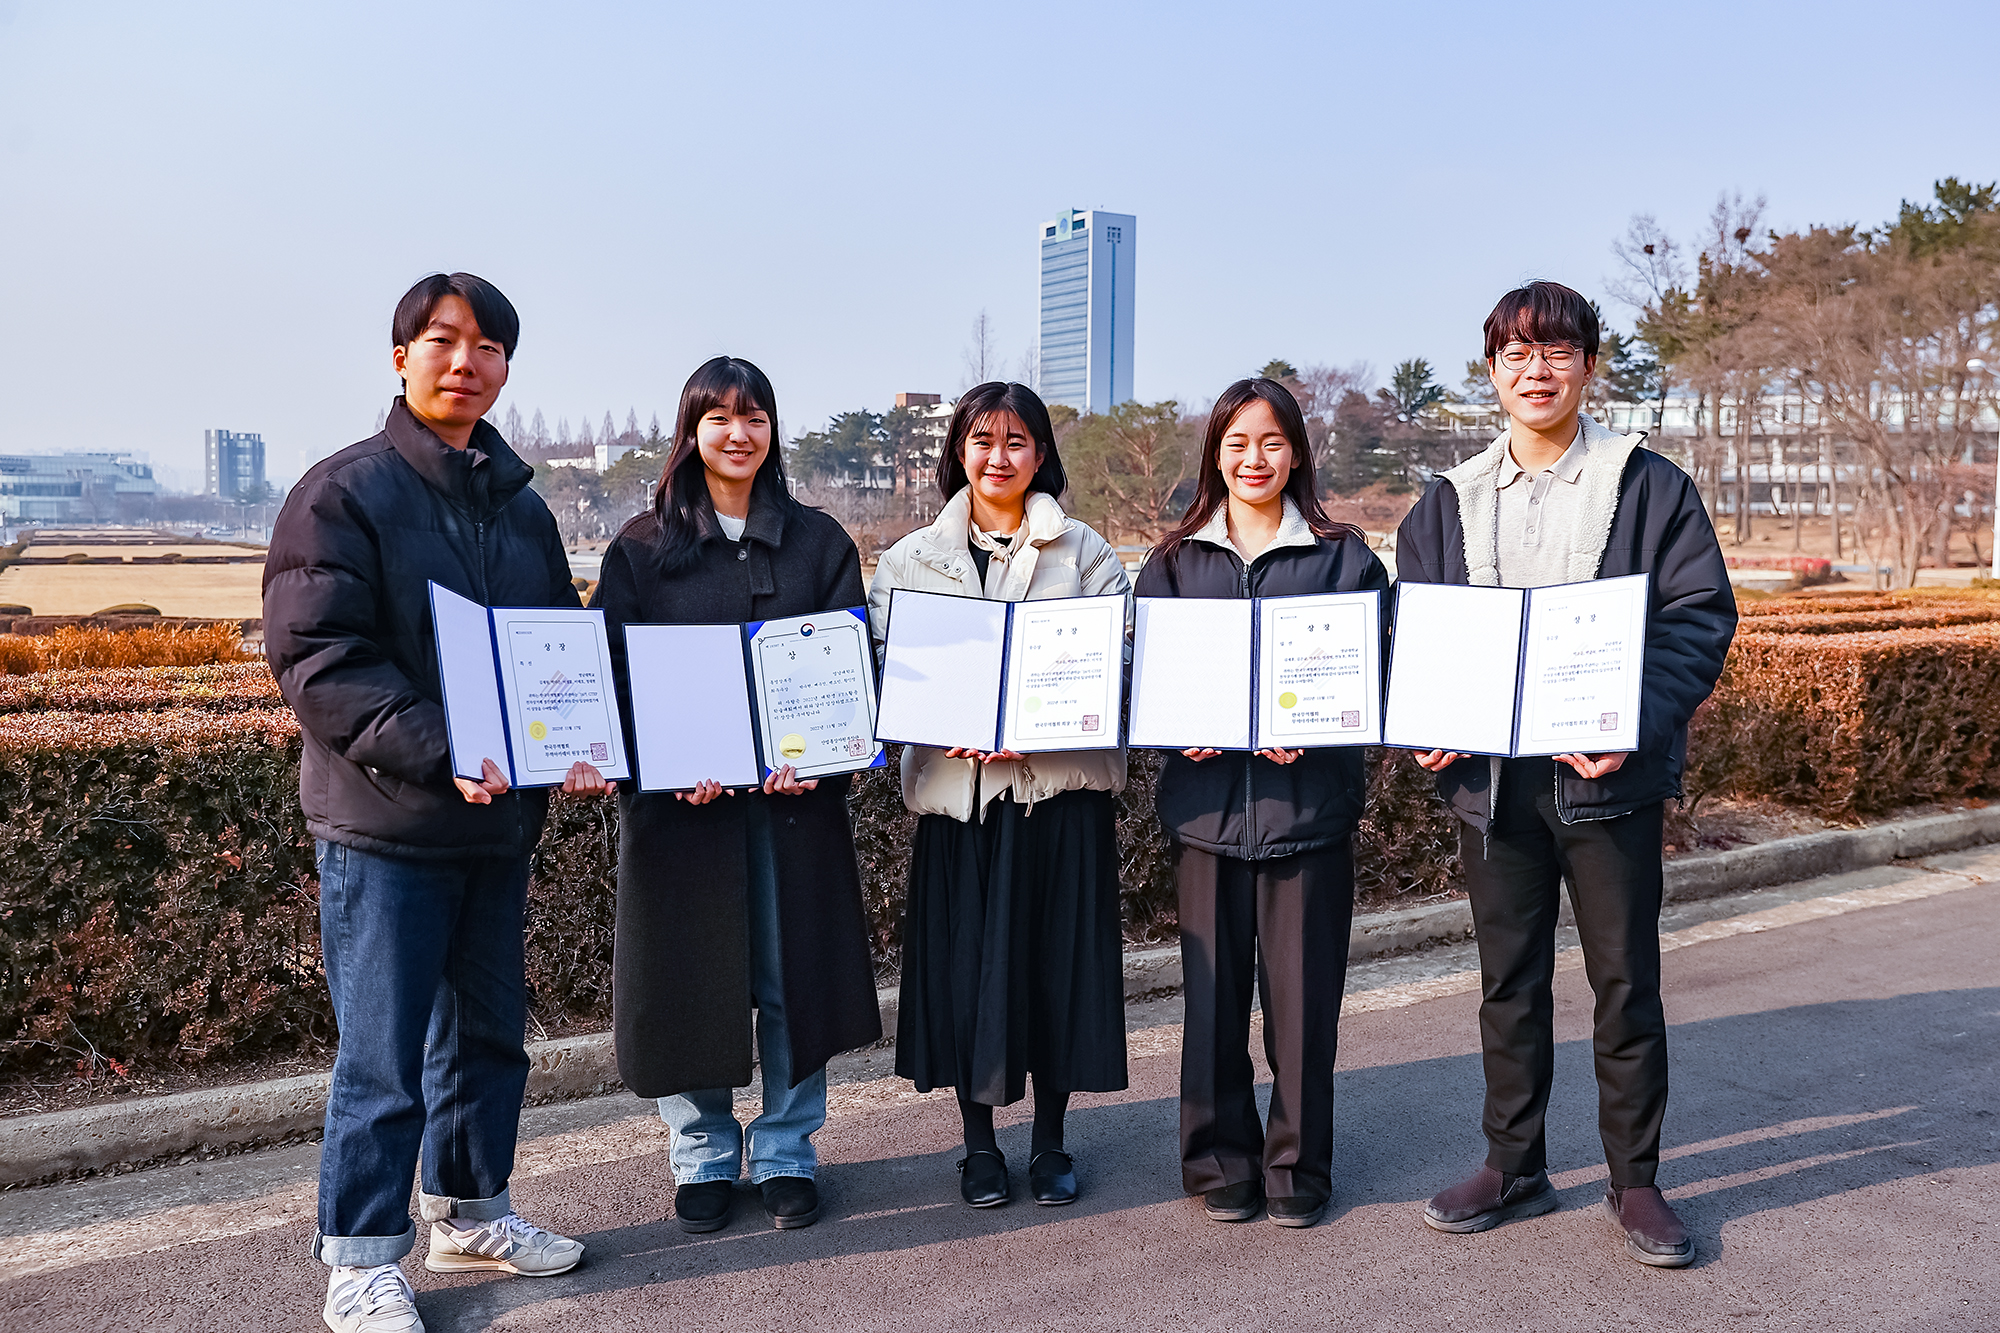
[1516, 672]
[527, 689]
[964, 673]
[729, 706]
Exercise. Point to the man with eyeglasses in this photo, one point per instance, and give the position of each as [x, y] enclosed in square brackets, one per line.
[1557, 498]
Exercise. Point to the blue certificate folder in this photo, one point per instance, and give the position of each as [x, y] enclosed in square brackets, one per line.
[1513, 672]
[528, 687]
[734, 703]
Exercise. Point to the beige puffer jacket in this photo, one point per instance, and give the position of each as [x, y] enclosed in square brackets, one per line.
[1060, 558]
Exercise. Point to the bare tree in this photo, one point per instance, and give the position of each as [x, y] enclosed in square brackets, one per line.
[982, 359]
[1028, 370]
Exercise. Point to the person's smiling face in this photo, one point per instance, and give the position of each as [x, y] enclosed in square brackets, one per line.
[452, 372]
[1255, 458]
[1538, 395]
[1001, 458]
[734, 439]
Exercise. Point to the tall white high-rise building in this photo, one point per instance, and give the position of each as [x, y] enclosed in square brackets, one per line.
[1086, 339]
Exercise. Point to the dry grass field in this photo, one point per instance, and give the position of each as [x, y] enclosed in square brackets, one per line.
[227, 592]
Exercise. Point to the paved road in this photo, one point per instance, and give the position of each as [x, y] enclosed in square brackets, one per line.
[1832, 1140]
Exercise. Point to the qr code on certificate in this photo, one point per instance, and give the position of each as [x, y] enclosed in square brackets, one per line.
[1350, 717]
[600, 752]
[1607, 721]
[1090, 722]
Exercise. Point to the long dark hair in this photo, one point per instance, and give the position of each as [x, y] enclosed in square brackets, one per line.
[1210, 491]
[984, 401]
[681, 503]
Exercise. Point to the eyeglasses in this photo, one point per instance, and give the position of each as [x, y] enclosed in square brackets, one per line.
[1556, 356]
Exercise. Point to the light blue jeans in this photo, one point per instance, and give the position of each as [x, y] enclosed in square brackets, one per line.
[707, 1141]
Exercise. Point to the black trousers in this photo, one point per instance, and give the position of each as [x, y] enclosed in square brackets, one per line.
[1514, 876]
[1286, 920]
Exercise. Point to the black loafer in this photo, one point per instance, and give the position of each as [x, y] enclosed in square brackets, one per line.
[704, 1206]
[1298, 1210]
[1052, 1178]
[793, 1201]
[1234, 1203]
[982, 1179]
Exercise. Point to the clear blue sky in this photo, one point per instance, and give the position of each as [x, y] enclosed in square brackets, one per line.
[207, 211]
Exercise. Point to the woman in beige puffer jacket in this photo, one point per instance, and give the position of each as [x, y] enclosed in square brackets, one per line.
[1012, 947]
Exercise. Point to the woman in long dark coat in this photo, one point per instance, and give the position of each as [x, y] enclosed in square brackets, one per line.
[732, 898]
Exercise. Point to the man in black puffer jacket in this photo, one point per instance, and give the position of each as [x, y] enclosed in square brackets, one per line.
[1560, 499]
[423, 876]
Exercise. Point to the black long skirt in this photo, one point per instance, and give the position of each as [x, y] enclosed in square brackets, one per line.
[1013, 960]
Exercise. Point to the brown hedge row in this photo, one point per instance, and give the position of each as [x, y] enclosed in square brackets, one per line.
[1853, 724]
[158, 900]
[157, 896]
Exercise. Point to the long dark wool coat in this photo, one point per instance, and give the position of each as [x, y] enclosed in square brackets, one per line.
[681, 962]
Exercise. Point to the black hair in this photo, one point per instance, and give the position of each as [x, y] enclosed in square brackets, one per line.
[1210, 490]
[983, 401]
[494, 312]
[1542, 312]
[681, 503]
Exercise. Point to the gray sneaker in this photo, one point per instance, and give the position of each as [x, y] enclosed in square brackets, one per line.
[371, 1300]
[504, 1245]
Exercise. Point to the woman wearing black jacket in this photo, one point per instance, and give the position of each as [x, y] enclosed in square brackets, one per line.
[1262, 842]
[729, 899]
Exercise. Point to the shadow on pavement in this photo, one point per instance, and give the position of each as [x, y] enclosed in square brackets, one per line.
[1769, 1110]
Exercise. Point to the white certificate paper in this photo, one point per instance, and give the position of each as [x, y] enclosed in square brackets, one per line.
[1454, 668]
[466, 669]
[1583, 666]
[690, 711]
[941, 670]
[556, 685]
[1065, 674]
[1319, 670]
[1191, 674]
[815, 689]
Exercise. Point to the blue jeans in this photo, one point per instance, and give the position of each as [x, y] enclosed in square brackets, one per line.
[707, 1141]
[425, 963]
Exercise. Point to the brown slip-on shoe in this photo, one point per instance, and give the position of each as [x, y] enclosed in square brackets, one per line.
[1653, 1231]
[1488, 1198]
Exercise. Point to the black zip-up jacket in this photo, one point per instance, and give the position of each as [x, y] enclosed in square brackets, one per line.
[1660, 528]
[348, 631]
[1243, 805]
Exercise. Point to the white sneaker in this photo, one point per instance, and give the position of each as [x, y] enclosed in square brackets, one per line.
[371, 1300]
[505, 1244]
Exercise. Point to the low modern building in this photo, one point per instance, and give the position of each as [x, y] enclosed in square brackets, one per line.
[235, 464]
[1086, 328]
[43, 489]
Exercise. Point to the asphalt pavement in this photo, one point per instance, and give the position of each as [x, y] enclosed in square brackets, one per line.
[1832, 1142]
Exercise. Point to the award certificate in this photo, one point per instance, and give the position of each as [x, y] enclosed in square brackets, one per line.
[1065, 673]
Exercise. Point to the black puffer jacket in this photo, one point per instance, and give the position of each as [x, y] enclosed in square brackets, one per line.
[347, 629]
[1660, 528]
[1246, 806]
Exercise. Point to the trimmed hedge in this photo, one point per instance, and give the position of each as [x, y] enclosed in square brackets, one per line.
[158, 901]
[1852, 724]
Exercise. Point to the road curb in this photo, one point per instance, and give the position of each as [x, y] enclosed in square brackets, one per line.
[44, 1147]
